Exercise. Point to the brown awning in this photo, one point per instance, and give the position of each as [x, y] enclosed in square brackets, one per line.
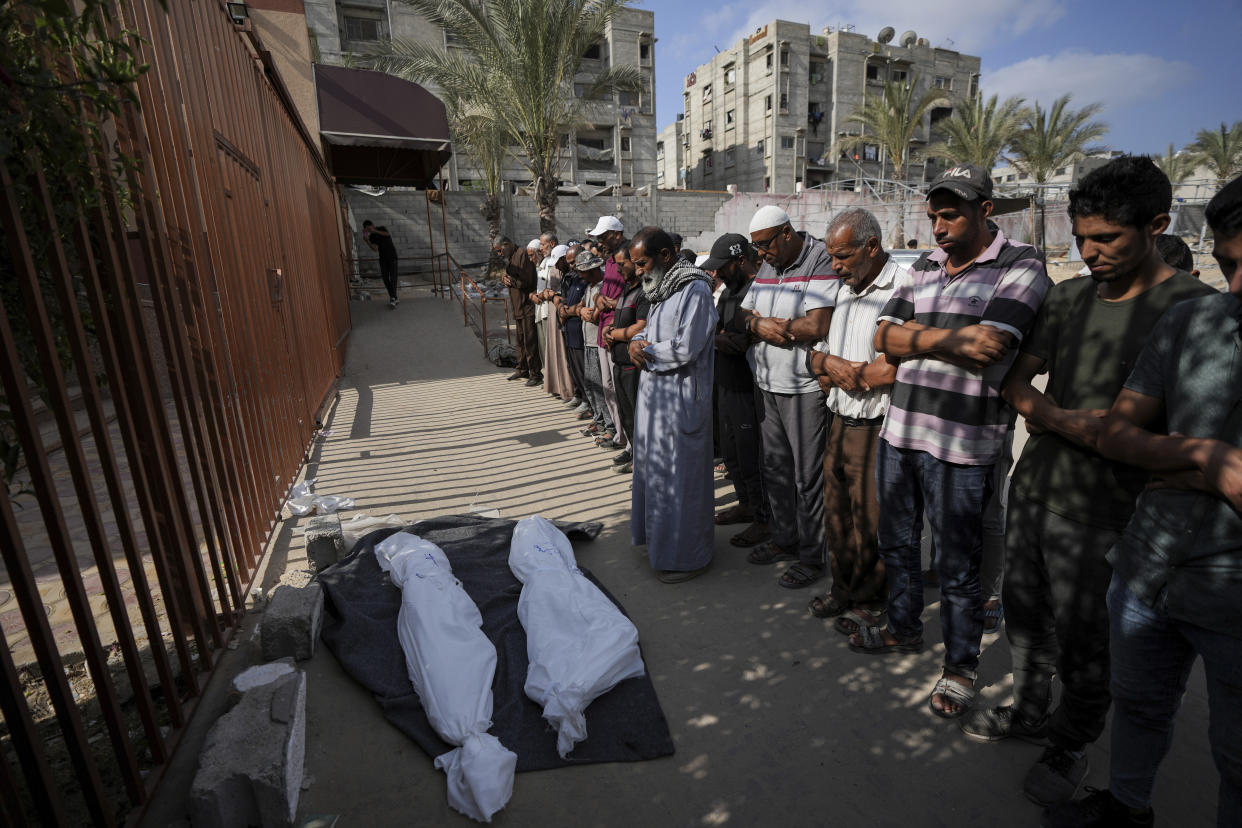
[380, 130]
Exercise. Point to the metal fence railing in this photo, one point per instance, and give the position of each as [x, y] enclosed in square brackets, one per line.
[474, 304]
[163, 360]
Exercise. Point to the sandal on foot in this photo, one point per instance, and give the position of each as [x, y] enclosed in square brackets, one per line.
[769, 553]
[755, 533]
[854, 620]
[963, 695]
[992, 617]
[825, 606]
[870, 640]
[800, 575]
[736, 513]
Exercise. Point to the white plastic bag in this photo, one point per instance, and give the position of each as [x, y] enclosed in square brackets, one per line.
[578, 643]
[302, 502]
[451, 664]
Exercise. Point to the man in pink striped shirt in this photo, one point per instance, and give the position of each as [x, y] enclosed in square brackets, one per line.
[954, 328]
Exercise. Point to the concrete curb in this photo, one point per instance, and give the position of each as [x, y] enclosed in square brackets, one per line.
[250, 771]
[290, 626]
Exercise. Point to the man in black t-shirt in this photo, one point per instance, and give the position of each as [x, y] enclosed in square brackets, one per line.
[735, 262]
[1068, 504]
[380, 240]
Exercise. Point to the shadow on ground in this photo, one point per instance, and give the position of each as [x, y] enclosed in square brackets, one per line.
[775, 721]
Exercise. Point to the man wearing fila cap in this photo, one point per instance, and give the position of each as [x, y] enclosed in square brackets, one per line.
[788, 309]
[954, 327]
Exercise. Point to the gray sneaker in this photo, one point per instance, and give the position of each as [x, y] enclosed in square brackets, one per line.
[996, 723]
[1055, 777]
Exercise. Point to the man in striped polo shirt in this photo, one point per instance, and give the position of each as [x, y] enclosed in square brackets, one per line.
[955, 329]
[789, 307]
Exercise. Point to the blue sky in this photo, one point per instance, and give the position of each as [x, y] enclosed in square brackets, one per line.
[1162, 70]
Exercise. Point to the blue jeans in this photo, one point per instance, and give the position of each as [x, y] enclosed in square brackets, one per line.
[1151, 659]
[954, 497]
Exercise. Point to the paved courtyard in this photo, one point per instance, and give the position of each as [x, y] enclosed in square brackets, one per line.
[774, 720]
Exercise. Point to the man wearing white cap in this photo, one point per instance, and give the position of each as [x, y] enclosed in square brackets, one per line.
[609, 232]
[787, 309]
[539, 255]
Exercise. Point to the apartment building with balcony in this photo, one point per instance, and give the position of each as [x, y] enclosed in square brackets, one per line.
[670, 167]
[615, 146]
[771, 112]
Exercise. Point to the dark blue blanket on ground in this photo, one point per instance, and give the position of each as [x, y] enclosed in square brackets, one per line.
[360, 628]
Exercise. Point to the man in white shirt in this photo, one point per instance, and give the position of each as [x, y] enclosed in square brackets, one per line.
[543, 263]
[857, 381]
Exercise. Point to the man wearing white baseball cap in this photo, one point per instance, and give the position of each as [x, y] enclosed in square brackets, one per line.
[787, 309]
[606, 225]
[610, 233]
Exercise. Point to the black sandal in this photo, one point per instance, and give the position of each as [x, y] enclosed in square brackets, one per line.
[825, 606]
[800, 575]
[769, 553]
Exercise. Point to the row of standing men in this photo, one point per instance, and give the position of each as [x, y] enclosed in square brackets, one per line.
[858, 400]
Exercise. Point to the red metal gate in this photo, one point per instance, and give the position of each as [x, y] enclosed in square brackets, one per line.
[188, 328]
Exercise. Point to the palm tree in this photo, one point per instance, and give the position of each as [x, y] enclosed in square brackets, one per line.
[1052, 139]
[1220, 150]
[891, 119]
[488, 146]
[1177, 166]
[978, 132]
[514, 61]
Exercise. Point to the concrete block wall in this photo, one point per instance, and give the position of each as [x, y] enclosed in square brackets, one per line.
[700, 217]
[812, 210]
[404, 213]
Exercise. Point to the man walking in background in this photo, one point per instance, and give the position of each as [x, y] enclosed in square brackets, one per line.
[380, 240]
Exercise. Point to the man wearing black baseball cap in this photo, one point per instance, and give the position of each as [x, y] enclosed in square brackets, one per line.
[954, 328]
[966, 181]
[735, 262]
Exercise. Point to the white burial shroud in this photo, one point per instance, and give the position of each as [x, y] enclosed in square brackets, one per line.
[578, 643]
[451, 665]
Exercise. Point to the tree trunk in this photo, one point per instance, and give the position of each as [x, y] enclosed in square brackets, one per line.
[899, 199]
[545, 201]
[1040, 240]
[491, 213]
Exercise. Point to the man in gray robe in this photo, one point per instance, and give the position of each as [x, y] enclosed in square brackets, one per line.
[673, 500]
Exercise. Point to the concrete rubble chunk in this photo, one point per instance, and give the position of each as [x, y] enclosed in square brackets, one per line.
[250, 771]
[291, 624]
[325, 542]
[261, 674]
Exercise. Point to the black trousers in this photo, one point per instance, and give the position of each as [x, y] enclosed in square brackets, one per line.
[626, 380]
[1056, 618]
[741, 446]
[388, 272]
[529, 361]
[577, 371]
